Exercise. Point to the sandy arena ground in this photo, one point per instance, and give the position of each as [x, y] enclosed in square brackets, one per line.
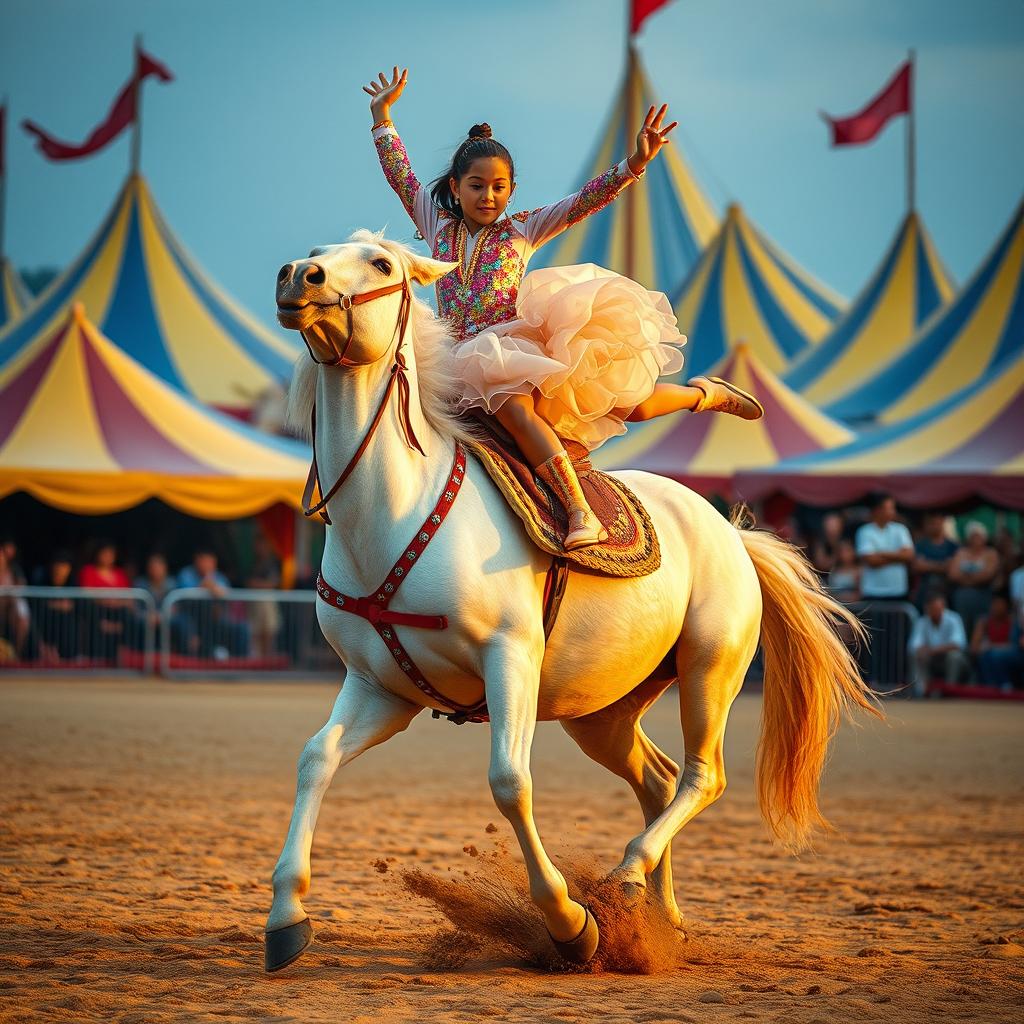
[139, 822]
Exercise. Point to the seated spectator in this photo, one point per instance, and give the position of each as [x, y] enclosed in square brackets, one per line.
[219, 636]
[972, 571]
[843, 581]
[1004, 666]
[993, 636]
[57, 626]
[115, 623]
[158, 582]
[265, 616]
[825, 549]
[14, 611]
[938, 644]
[932, 557]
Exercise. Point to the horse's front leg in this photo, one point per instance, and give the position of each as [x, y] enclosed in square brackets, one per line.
[512, 680]
[364, 715]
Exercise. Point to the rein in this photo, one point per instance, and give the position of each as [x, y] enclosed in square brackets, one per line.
[397, 377]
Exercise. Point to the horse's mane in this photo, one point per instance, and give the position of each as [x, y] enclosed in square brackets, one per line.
[431, 343]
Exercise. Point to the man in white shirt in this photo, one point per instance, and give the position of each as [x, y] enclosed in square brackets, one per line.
[885, 549]
[939, 645]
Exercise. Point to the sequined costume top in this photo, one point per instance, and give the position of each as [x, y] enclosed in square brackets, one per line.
[482, 290]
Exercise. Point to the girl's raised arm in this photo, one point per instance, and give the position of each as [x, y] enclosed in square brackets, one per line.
[546, 223]
[392, 155]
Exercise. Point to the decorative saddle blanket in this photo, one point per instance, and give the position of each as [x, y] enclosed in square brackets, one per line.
[632, 546]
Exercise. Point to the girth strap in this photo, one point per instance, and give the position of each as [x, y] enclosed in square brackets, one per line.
[374, 607]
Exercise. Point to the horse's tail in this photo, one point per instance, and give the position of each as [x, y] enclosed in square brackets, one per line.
[811, 682]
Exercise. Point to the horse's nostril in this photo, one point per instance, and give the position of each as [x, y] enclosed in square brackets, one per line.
[314, 274]
[284, 273]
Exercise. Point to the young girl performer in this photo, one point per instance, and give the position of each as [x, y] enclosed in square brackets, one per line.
[567, 352]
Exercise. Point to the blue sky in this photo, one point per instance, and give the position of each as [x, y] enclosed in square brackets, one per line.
[260, 148]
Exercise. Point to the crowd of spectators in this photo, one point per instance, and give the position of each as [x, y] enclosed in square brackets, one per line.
[967, 586]
[55, 629]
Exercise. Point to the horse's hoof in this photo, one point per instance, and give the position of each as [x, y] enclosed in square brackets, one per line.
[580, 950]
[283, 946]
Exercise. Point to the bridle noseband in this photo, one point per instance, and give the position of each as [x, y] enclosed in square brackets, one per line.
[397, 375]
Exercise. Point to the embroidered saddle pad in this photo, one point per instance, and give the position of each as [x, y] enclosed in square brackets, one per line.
[632, 546]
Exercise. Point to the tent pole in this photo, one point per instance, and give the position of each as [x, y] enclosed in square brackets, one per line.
[631, 130]
[137, 104]
[911, 142]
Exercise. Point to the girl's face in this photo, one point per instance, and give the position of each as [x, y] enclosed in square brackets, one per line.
[483, 191]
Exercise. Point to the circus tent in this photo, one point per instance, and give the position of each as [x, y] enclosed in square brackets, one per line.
[981, 328]
[745, 287]
[971, 444]
[654, 233]
[705, 451]
[86, 429]
[908, 286]
[145, 293]
[14, 296]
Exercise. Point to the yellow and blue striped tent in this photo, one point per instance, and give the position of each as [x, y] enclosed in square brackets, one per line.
[969, 445]
[745, 287]
[981, 328]
[87, 429]
[145, 292]
[655, 231]
[14, 296]
[705, 452]
[909, 285]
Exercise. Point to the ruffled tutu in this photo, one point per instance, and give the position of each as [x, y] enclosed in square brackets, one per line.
[590, 342]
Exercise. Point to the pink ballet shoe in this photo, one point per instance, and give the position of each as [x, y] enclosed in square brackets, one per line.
[721, 396]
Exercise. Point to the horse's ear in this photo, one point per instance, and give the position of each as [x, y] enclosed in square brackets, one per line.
[424, 270]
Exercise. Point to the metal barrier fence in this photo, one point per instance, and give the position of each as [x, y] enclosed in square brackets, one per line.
[191, 633]
[885, 662]
[77, 629]
[266, 632]
[246, 632]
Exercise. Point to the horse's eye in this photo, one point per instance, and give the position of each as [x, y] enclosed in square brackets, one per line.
[382, 265]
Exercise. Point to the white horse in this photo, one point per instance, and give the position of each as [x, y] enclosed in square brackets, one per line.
[617, 644]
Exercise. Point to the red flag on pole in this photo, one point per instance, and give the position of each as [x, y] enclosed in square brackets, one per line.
[122, 114]
[863, 126]
[640, 10]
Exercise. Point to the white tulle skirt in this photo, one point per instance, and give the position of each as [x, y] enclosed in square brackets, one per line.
[590, 343]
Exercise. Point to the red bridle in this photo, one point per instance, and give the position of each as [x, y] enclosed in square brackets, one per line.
[398, 374]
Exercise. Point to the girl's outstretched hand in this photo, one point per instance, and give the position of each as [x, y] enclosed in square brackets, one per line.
[650, 138]
[384, 91]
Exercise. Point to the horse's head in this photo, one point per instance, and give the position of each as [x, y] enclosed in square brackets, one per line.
[331, 296]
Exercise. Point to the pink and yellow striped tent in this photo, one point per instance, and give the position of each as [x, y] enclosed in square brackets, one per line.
[706, 451]
[147, 295]
[87, 429]
[969, 445]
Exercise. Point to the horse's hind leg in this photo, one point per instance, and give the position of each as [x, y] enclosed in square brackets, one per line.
[711, 671]
[614, 738]
[364, 715]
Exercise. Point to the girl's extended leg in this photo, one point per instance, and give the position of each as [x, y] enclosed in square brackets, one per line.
[543, 448]
[701, 394]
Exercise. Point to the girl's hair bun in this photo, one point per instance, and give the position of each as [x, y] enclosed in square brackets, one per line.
[479, 131]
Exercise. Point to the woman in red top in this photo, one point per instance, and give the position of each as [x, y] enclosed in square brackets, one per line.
[114, 622]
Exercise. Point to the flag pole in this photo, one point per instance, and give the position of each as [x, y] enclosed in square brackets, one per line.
[137, 109]
[631, 130]
[3, 176]
[911, 141]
